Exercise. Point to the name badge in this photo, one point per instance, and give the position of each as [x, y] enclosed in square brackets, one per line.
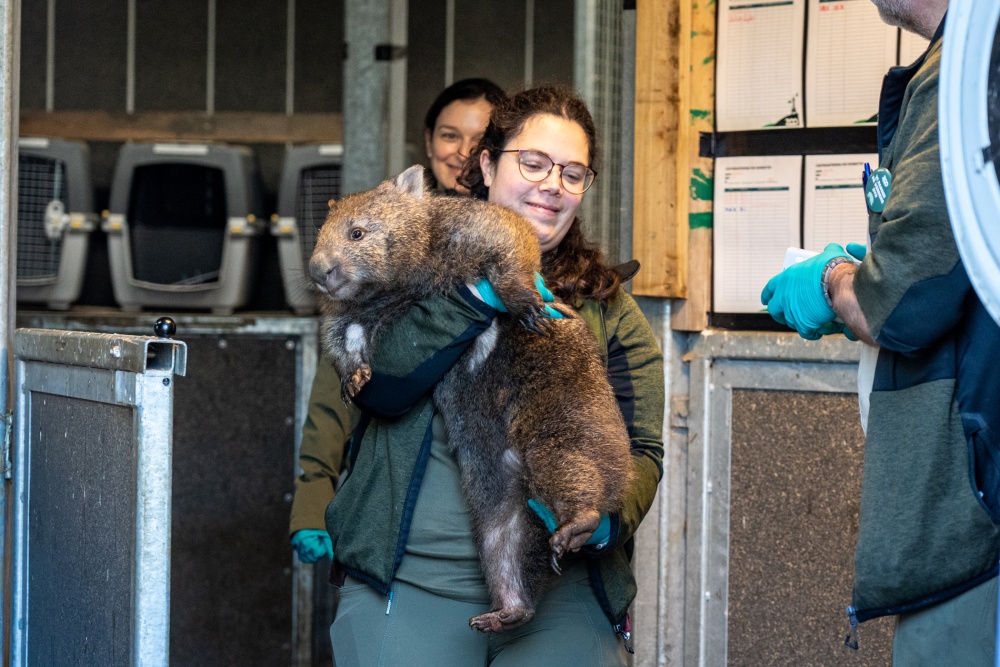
[877, 189]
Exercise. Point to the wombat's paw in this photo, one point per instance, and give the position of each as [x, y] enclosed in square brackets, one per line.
[351, 385]
[535, 320]
[507, 618]
[573, 534]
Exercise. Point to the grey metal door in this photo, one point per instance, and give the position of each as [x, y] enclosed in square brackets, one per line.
[91, 463]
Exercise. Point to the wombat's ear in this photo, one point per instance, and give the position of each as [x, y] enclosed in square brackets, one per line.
[330, 203]
[412, 181]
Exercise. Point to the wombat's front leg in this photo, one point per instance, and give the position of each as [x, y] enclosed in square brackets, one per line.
[520, 297]
[348, 347]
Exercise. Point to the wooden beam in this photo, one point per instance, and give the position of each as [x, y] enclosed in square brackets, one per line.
[696, 174]
[659, 239]
[230, 126]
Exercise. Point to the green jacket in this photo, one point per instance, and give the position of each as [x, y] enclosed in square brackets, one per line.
[923, 535]
[369, 518]
[328, 426]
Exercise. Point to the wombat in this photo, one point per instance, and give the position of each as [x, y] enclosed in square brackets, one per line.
[528, 407]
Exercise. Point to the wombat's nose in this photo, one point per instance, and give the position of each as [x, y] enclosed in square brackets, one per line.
[324, 273]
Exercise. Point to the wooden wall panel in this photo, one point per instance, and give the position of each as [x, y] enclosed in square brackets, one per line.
[695, 177]
[659, 241]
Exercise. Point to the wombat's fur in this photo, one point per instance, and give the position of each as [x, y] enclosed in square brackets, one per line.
[529, 414]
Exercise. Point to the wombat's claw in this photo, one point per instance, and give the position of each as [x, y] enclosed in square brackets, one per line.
[536, 321]
[555, 564]
[501, 619]
[350, 386]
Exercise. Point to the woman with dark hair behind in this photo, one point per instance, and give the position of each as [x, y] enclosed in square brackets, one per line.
[405, 556]
[453, 126]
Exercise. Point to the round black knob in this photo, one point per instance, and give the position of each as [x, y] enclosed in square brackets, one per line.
[165, 328]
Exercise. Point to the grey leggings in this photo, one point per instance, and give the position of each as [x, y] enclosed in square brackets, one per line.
[420, 628]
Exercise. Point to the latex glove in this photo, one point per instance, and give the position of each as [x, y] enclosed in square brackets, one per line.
[857, 250]
[311, 545]
[489, 296]
[599, 538]
[795, 298]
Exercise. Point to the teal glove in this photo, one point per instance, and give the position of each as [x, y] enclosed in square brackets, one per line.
[795, 298]
[598, 539]
[489, 296]
[857, 250]
[311, 545]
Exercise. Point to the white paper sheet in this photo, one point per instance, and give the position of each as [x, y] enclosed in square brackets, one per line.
[756, 219]
[833, 206]
[911, 47]
[759, 71]
[848, 51]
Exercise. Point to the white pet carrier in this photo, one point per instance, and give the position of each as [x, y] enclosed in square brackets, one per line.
[310, 179]
[182, 226]
[55, 215]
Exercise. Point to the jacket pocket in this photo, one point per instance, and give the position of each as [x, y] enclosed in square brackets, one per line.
[922, 534]
[984, 473]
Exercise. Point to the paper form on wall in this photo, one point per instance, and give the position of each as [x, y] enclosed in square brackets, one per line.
[848, 51]
[758, 77]
[756, 209]
[833, 206]
[911, 47]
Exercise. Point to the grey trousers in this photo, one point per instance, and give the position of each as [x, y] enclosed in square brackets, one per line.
[420, 628]
[958, 633]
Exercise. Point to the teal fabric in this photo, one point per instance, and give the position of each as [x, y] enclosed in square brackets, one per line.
[492, 299]
[600, 536]
[312, 545]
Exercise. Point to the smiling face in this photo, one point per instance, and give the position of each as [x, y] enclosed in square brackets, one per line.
[546, 204]
[458, 128]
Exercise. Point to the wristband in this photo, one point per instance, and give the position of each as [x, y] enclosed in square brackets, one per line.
[827, 270]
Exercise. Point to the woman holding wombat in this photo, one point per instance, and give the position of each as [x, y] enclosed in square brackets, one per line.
[405, 554]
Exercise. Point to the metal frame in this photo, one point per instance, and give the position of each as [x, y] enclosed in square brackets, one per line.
[307, 359]
[970, 176]
[131, 371]
[719, 363]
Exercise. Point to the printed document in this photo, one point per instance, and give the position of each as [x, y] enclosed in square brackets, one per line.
[758, 77]
[833, 207]
[756, 218]
[848, 51]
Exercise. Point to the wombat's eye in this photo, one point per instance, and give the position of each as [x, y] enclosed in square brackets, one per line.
[357, 234]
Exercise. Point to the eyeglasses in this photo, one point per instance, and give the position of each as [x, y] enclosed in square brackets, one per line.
[536, 166]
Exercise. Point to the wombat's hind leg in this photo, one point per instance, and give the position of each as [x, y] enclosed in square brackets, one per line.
[505, 536]
[502, 619]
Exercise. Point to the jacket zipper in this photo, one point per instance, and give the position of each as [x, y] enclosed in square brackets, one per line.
[624, 630]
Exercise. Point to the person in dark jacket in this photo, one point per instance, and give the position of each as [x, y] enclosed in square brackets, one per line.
[929, 382]
[404, 553]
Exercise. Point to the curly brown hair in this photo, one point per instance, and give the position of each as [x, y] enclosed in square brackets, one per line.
[575, 269]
